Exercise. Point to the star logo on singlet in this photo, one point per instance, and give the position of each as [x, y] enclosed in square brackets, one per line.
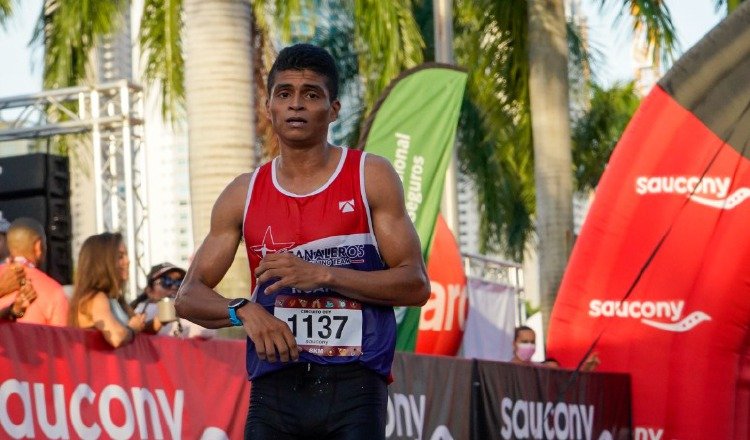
[269, 246]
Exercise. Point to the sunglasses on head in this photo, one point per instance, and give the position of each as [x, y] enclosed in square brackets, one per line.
[168, 283]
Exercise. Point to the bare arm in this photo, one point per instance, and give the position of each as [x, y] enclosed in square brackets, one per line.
[197, 300]
[404, 283]
[104, 320]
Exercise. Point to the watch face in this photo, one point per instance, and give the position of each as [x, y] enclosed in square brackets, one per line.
[237, 302]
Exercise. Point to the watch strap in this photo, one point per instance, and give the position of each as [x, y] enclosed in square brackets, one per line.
[233, 306]
[233, 317]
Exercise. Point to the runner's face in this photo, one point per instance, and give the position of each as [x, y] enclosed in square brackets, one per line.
[300, 108]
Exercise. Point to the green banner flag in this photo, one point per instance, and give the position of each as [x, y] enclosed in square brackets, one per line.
[414, 126]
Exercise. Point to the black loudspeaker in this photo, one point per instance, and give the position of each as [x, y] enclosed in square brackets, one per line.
[38, 186]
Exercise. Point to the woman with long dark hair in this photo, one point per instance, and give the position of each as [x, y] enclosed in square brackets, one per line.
[98, 300]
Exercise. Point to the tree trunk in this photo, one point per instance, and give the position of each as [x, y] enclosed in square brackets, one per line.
[548, 89]
[219, 91]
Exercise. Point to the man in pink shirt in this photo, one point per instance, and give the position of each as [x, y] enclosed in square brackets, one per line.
[26, 243]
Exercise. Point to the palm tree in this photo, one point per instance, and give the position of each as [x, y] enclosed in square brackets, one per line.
[518, 112]
[216, 82]
[219, 96]
[598, 129]
[549, 107]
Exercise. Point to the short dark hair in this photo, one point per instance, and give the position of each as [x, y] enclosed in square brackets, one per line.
[23, 232]
[305, 56]
[521, 328]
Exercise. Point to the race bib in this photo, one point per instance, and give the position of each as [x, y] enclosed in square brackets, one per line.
[323, 325]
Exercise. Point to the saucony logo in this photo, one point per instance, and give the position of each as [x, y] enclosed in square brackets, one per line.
[646, 311]
[731, 202]
[709, 191]
[686, 324]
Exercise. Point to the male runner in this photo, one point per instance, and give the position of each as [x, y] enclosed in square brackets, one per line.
[332, 251]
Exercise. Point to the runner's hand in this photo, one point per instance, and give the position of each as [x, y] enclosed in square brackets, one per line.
[269, 334]
[11, 279]
[289, 271]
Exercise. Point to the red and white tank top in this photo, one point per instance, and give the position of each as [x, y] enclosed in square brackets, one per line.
[330, 226]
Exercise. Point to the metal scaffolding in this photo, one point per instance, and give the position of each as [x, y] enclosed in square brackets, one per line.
[113, 114]
[494, 270]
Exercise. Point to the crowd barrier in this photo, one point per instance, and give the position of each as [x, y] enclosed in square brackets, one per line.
[68, 383]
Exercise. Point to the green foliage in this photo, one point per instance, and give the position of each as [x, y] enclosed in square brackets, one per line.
[495, 141]
[652, 20]
[530, 308]
[728, 5]
[6, 10]
[598, 130]
[494, 132]
[387, 38]
[161, 45]
[69, 31]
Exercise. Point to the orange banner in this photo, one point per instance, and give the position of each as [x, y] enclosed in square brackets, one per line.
[442, 320]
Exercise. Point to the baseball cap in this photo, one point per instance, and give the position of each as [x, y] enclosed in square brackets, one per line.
[161, 269]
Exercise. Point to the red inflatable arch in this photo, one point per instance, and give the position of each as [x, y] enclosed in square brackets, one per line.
[659, 280]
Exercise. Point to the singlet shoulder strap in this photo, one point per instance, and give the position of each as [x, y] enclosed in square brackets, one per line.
[250, 193]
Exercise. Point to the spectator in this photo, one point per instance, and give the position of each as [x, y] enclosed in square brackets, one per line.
[4, 225]
[163, 280]
[43, 301]
[98, 300]
[524, 345]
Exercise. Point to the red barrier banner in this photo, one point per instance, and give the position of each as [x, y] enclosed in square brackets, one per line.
[68, 383]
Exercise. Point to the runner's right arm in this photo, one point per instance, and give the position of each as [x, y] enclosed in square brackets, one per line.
[197, 300]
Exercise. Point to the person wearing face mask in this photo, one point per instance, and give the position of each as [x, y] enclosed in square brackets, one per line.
[524, 345]
[156, 302]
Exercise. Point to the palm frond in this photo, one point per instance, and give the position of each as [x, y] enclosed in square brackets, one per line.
[596, 133]
[161, 46]
[388, 41]
[6, 10]
[652, 21]
[69, 30]
[580, 60]
[494, 134]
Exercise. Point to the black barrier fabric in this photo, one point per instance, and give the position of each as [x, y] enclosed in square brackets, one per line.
[429, 398]
[520, 402]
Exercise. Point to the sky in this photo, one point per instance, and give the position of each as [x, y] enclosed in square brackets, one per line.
[691, 18]
[21, 67]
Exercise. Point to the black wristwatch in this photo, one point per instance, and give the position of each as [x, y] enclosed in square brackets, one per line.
[233, 306]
